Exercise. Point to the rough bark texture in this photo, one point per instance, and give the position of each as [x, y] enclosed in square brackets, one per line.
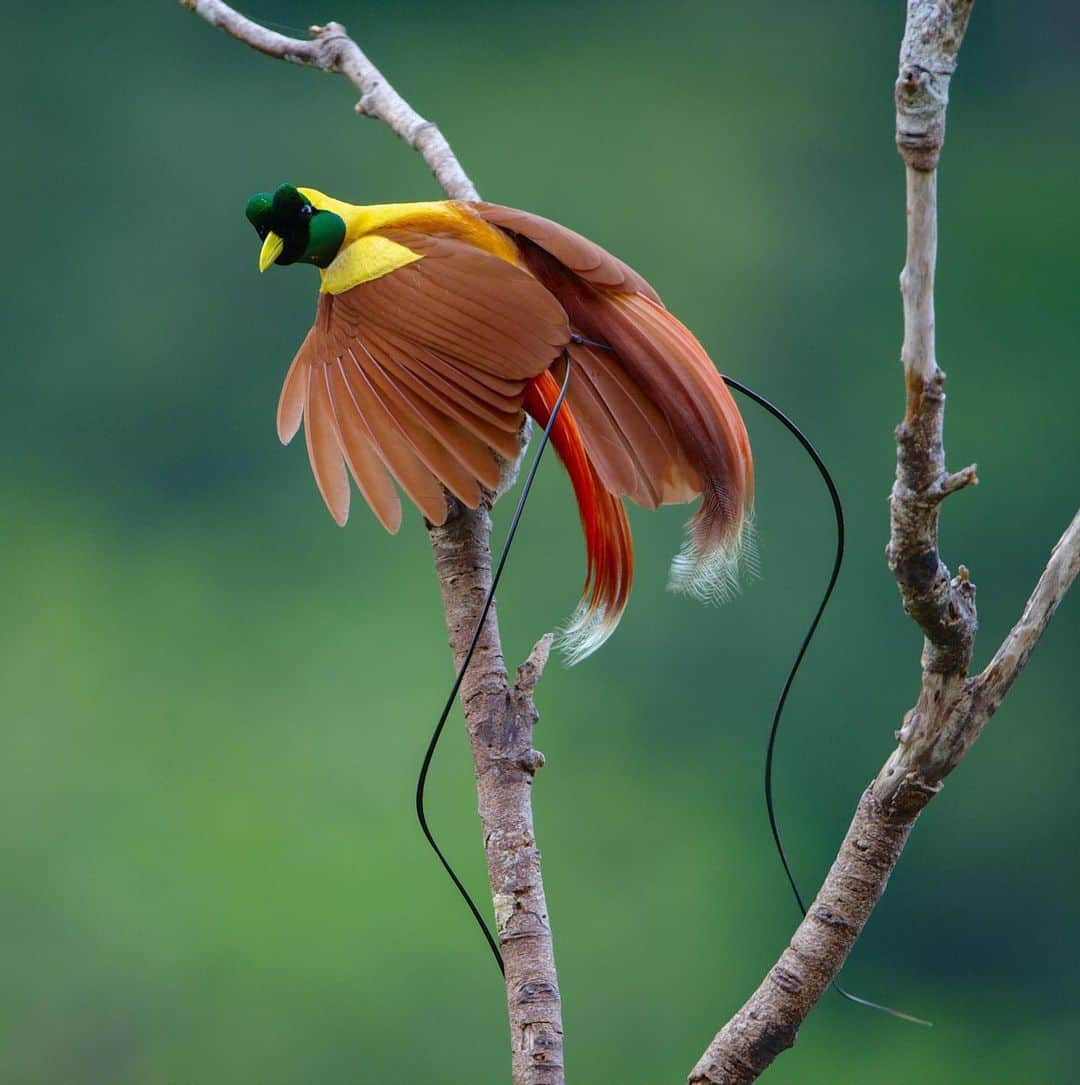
[500, 717]
[500, 721]
[933, 32]
[769, 1020]
[952, 708]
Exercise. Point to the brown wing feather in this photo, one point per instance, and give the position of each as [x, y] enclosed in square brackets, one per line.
[290, 409]
[436, 441]
[500, 435]
[612, 453]
[410, 472]
[583, 257]
[628, 434]
[628, 437]
[467, 305]
[420, 373]
[363, 461]
[443, 382]
[322, 445]
[470, 438]
[660, 362]
[499, 394]
[677, 375]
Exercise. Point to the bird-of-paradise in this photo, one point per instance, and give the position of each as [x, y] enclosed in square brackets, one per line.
[440, 325]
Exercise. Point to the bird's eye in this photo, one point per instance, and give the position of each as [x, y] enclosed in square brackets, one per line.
[307, 210]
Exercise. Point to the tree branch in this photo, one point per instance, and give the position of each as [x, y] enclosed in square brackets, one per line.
[499, 717]
[1012, 657]
[500, 722]
[952, 709]
[332, 50]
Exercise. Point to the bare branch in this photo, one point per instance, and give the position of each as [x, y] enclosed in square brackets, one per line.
[932, 36]
[499, 718]
[933, 740]
[531, 671]
[500, 724]
[332, 50]
[1011, 658]
[768, 1022]
[951, 709]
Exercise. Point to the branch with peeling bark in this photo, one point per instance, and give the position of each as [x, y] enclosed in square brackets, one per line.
[952, 707]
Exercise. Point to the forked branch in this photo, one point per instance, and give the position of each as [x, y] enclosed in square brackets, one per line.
[952, 708]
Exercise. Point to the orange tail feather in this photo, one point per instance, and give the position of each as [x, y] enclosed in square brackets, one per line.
[608, 545]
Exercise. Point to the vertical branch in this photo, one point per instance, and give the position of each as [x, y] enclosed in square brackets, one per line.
[500, 721]
[917, 286]
[952, 709]
[499, 716]
[941, 605]
[768, 1022]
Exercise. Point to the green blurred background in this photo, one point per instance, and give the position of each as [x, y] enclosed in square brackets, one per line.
[215, 701]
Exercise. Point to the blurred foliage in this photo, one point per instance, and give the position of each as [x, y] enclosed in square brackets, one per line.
[215, 701]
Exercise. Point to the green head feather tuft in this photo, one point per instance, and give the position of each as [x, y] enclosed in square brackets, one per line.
[258, 213]
[310, 236]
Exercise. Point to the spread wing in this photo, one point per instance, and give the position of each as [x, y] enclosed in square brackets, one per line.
[418, 376]
[583, 257]
[629, 438]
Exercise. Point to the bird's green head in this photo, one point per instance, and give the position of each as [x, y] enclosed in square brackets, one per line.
[293, 229]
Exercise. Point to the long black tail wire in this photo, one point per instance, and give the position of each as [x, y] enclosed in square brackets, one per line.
[770, 750]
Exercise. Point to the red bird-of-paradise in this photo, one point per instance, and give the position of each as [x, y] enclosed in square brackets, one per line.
[439, 325]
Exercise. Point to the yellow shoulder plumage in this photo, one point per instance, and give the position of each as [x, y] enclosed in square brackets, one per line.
[366, 255]
[364, 259]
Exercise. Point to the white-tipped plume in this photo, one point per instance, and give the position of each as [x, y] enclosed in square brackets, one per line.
[715, 575]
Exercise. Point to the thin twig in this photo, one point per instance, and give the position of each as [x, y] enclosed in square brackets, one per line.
[499, 717]
[332, 50]
[1012, 657]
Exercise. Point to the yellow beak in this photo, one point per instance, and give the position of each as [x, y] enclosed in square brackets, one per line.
[271, 250]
